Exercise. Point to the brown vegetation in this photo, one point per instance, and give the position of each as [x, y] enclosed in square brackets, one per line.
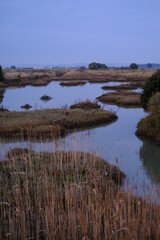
[70, 195]
[85, 105]
[121, 98]
[72, 83]
[129, 86]
[23, 77]
[50, 122]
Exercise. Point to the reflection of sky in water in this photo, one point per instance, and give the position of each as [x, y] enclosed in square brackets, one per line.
[138, 90]
[62, 96]
[138, 159]
[14, 98]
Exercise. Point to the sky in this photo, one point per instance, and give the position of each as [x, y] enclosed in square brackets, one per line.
[79, 31]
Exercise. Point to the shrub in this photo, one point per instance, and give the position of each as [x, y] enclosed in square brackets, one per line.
[45, 98]
[133, 66]
[154, 104]
[13, 67]
[26, 106]
[96, 66]
[1, 74]
[151, 87]
[59, 73]
[149, 65]
[2, 92]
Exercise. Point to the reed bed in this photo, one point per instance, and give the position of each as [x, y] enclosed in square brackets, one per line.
[51, 122]
[70, 195]
[121, 98]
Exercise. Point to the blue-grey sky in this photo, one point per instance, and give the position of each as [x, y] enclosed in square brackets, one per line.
[79, 31]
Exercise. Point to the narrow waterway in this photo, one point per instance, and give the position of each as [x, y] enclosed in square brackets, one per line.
[115, 142]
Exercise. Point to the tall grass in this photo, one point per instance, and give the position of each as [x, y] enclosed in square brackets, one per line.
[70, 195]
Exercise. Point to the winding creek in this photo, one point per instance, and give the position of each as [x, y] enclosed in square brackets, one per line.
[115, 142]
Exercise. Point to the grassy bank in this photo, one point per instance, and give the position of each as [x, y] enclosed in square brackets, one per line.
[70, 195]
[23, 77]
[121, 98]
[149, 127]
[130, 86]
[86, 105]
[50, 122]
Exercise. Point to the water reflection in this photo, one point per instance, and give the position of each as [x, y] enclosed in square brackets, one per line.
[150, 156]
[116, 142]
[61, 96]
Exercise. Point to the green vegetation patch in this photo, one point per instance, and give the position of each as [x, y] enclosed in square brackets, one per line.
[96, 66]
[51, 122]
[151, 87]
[1, 74]
[150, 125]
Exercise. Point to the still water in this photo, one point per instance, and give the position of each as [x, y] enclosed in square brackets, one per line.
[117, 143]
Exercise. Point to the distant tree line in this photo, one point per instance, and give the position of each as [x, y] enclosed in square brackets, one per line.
[96, 66]
[133, 66]
[149, 65]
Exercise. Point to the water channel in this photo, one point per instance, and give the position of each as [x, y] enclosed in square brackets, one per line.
[117, 143]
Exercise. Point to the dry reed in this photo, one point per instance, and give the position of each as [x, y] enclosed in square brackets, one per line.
[70, 195]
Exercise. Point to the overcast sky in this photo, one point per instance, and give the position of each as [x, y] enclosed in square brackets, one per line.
[79, 31]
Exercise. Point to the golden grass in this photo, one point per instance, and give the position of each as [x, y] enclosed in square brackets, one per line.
[121, 98]
[110, 75]
[22, 77]
[50, 122]
[71, 195]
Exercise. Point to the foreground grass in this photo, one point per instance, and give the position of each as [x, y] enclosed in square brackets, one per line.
[70, 195]
[121, 98]
[50, 122]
